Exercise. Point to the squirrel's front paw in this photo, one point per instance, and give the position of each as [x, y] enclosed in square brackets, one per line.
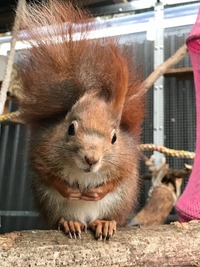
[103, 229]
[72, 228]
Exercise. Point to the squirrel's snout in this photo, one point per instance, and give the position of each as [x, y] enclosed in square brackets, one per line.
[91, 160]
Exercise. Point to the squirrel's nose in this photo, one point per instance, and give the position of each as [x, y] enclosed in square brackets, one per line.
[90, 160]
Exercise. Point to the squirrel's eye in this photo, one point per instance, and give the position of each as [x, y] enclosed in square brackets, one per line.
[114, 138]
[71, 129]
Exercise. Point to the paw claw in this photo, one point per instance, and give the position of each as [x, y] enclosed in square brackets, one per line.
[78, 235]
[74, 234]
[70, 235]
[109, 237]
[98, 237]
[71, 228]
[104, 230]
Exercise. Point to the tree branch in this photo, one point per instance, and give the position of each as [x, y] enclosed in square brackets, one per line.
[172, 174]
[162, 69]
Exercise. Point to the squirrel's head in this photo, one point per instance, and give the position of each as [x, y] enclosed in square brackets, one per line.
[91, 133]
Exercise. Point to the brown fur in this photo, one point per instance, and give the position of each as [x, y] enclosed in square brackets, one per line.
[87, 81]
[65, 71]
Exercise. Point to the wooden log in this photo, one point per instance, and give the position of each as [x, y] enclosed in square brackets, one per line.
[163, 194]
[157, 207]
[165, 245]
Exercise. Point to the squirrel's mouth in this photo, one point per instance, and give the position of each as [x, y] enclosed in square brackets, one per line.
[87, 170]
[94, 168]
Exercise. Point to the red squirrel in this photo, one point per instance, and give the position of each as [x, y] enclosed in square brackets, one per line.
[84, 106]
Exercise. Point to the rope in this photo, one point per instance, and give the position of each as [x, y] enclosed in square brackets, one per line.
[9, 116]
[168, 151]
[9, 67]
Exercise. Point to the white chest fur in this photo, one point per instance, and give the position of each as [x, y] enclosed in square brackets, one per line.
[85, 211]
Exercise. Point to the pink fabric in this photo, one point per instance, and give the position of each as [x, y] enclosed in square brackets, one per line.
[188, 205]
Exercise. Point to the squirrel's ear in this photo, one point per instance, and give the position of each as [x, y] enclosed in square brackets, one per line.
[121, 84]
[133, 111]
